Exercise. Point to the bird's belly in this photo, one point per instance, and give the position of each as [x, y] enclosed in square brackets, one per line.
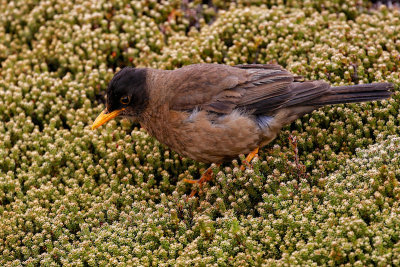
[211, 141]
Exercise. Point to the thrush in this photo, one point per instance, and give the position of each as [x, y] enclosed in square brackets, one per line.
[212, 113]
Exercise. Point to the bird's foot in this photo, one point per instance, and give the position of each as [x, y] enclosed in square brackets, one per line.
[249, 158]
[206, 177]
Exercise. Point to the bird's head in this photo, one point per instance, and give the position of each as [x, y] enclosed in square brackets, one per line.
[127, 96]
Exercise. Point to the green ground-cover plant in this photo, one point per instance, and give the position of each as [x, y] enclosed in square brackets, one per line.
[115, 196]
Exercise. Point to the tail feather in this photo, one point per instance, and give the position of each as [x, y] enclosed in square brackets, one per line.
[354, 93]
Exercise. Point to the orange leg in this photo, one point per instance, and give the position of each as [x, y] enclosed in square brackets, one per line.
[249, 157]
[206, 177]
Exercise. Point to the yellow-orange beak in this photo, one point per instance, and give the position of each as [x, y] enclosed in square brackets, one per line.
[105, 117]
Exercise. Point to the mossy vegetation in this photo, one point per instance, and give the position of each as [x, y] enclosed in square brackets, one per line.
[76, 197]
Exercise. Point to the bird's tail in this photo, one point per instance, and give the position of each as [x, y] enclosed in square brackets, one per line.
[355, 93]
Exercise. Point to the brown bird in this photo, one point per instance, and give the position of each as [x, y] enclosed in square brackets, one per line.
[212, 113]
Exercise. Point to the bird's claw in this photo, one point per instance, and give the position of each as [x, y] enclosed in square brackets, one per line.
[248, 159]
[206, 177]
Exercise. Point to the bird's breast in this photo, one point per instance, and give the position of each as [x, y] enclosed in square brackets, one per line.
[205, 137]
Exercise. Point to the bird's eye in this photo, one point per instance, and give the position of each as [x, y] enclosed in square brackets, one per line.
[125, 100]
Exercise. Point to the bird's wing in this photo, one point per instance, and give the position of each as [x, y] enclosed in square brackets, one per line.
[259, 89]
